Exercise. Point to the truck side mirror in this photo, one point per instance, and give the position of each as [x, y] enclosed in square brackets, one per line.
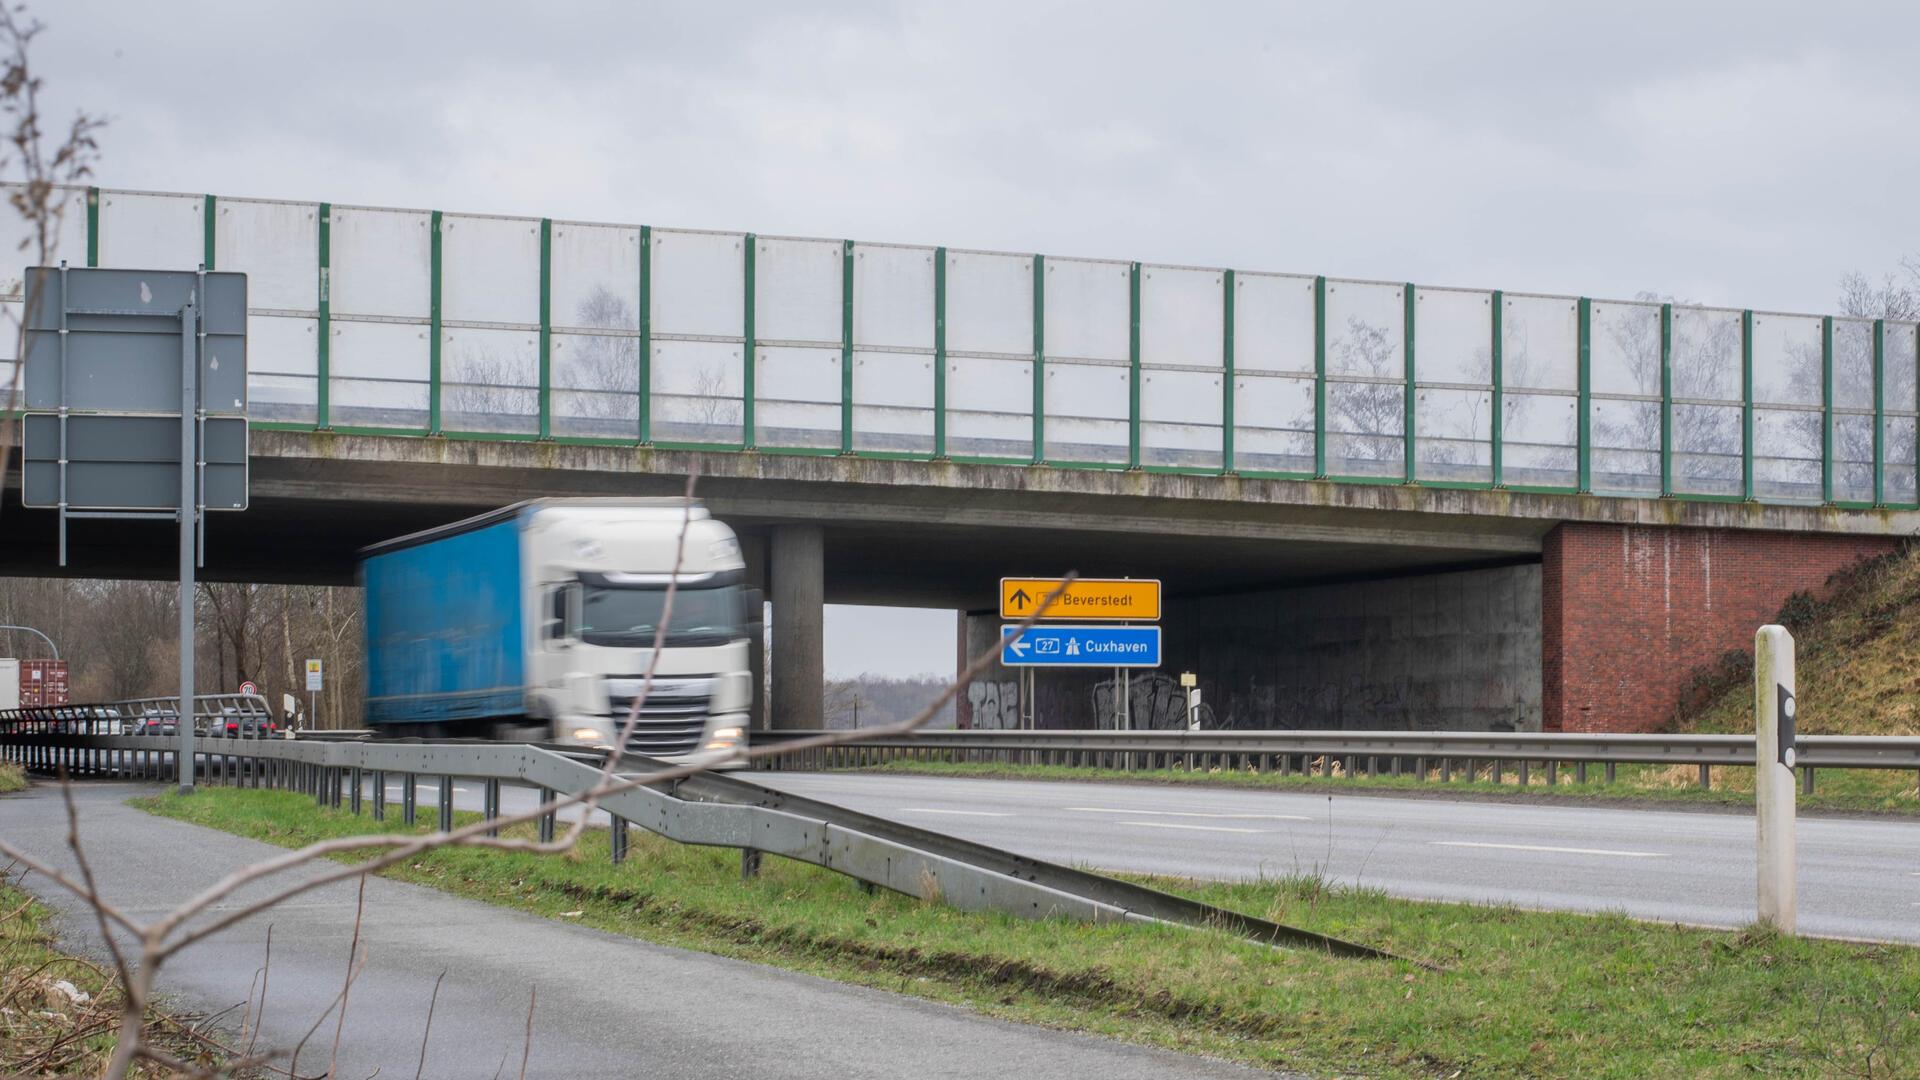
[554, 628]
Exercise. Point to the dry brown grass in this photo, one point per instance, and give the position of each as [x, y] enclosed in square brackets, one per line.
[1858, 657]
[58, 1013]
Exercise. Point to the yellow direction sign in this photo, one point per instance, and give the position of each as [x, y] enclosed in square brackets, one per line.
[1115, 599]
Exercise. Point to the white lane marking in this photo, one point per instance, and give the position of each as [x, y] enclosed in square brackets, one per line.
[1190, 828]
[1188, 813]
[1562, 850]
[957, 813]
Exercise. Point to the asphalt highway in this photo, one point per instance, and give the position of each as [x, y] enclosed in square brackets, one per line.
[1858, 878]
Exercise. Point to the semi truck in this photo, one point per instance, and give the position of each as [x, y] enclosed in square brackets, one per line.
[538, 622]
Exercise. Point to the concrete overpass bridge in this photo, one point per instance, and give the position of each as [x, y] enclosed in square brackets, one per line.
[1373, 504]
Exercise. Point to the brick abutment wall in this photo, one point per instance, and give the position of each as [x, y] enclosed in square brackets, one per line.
[1630, 613]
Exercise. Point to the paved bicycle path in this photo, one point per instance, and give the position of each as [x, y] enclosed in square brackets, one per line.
[607, 1005]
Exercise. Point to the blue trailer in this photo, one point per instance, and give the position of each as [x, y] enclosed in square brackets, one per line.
[538, 621]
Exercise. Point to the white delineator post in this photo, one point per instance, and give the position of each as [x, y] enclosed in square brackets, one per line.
[1774, 790]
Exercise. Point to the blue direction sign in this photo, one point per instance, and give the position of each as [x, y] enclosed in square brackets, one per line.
[1081, 646]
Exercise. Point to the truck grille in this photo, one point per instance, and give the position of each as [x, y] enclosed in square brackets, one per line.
[672, 719]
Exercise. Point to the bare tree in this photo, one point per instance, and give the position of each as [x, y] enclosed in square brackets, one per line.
[484, 387]
[1895, 296]
[600, 377]
[39, 173]
[128, 640]
[1365, 417]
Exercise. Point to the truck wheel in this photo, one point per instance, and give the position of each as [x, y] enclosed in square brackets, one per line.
[518, 732]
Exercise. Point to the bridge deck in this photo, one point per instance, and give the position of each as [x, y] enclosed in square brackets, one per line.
[416, 323]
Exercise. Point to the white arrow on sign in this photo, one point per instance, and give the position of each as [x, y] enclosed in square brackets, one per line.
[1019, 648]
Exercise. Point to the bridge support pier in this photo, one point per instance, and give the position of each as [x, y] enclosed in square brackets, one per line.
[753, 551]
[799, 598]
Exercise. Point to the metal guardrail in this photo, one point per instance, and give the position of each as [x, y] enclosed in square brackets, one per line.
[707, 810]
[1419, 755]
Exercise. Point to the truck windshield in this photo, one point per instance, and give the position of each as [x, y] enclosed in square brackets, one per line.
[629, 616]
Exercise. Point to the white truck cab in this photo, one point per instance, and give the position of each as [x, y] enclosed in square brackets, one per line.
[598, 574]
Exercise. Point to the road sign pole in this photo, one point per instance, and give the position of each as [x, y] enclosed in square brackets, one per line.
[189, 506]
[1773, 709]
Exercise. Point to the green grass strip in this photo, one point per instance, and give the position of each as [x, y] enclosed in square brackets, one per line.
[1524, 994]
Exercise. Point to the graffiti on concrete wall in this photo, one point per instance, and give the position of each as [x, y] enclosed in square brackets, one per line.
[1155, 702]
[996, 705]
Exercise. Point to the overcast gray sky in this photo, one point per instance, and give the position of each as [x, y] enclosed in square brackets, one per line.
[1746, 154]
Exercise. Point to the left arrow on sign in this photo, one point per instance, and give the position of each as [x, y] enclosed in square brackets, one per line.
[1019, 648]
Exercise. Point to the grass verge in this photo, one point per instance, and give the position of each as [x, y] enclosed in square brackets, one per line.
[12, 778]
[1853, 791]
[59, 1013]
[1523, 994]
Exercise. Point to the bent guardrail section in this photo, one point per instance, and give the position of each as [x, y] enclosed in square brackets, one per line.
[718, 812]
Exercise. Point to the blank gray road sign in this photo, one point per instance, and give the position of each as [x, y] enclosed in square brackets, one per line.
[123, 340]
[119, 462]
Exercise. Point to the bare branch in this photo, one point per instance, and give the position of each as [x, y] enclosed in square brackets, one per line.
[428, 1030]
[86, 876]
[353, 972]
[340, 1022]
[266, 973]
[526, 1048]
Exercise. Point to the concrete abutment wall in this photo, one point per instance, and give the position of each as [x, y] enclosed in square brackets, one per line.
[1447, 651]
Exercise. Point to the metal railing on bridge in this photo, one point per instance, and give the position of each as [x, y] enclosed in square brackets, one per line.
[1419, 755]
[246, 715]
[421, 322]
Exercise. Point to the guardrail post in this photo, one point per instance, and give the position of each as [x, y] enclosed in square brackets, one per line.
[335, 782]
[749, 864]
[1611, 772]
[490, 803]
[1553, 772]
[446, 803]
[1774, 753]
[1494, 770]
[379, 795]
[1806, 780]
[1706, 777]
[1525, 766]
[1580, 772]
[616, 837]
[546, 819]
[409, 799]
[353, 801]
[317, 786]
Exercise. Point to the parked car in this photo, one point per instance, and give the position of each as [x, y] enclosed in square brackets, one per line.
[157, 724]
[235, 724]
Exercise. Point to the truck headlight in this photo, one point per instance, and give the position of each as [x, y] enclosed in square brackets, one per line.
[724, 738]
[586, 734]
